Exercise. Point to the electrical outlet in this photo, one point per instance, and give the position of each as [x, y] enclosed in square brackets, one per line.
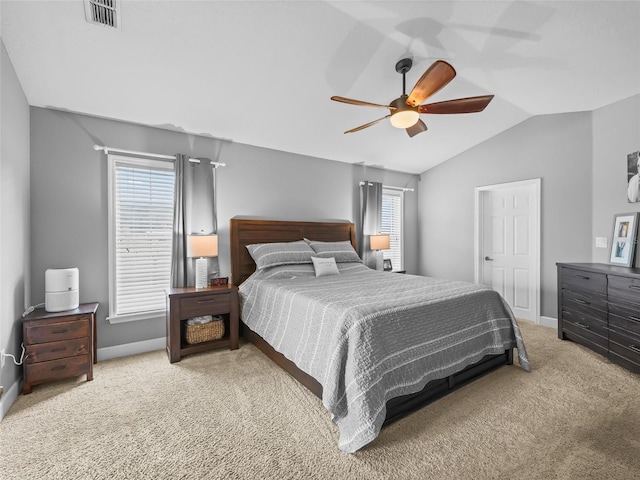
[2, 358]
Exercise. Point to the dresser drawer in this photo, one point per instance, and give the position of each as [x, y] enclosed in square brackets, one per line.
[588, 327]
[625, 289]
[42, 352]
[586, 281]
[55, 369]
[587, 304]
[52, 332]
[627, 346]
[626, 318]
[205, 305]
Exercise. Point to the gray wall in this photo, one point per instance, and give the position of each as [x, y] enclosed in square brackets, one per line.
[616, 133]
[555, 148]
[69, 198]
[14, 221]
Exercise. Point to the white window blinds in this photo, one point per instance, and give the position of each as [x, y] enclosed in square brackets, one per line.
[141, 226]
[391, 224]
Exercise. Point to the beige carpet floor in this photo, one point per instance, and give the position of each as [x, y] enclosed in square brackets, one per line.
[235, 415]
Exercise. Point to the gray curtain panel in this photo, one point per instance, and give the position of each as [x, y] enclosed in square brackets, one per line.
[194, 213]
[370, 211]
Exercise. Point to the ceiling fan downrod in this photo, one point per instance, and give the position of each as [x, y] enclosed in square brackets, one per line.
[402, 67]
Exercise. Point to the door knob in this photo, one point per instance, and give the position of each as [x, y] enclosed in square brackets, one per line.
[488, 259]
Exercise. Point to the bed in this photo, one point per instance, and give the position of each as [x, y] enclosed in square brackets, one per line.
[400, 343]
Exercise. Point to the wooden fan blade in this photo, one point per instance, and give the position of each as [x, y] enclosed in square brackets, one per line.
[437, 76]
[366, 125]
[459, 105]
[359, 102]
[419, 127]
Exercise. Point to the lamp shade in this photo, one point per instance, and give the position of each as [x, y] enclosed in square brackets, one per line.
[202, 246]
[379, 242]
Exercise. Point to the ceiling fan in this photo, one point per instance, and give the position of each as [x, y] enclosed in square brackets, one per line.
[405, 110]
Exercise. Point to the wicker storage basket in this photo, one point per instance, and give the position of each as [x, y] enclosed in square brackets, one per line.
[204, 332]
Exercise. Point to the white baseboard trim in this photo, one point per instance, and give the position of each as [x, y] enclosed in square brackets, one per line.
[9, 397]
[549, 322]
[107, 353]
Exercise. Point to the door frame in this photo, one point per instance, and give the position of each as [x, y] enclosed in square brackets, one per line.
[478, 228]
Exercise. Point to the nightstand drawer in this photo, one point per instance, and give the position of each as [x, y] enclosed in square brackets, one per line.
[57, 331]
[204, 305]
[43, 352]
[55, 369]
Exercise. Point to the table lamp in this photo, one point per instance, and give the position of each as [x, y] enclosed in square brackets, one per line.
[379, 243]
[201, 247]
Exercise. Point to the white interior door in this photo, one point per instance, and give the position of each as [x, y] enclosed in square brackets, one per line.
[508, 244]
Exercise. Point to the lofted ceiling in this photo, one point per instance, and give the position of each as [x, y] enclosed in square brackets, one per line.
[262, 72]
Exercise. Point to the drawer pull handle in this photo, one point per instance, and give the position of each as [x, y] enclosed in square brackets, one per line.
[59, 349]
[582, 302]
[582, 325]
[59, 367]
[583, 277]
[635, 348]
[634, 318]
[57, 332]
[207, 301]
[635, 286]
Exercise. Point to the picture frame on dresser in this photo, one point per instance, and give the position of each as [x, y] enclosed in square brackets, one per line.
[624, 239]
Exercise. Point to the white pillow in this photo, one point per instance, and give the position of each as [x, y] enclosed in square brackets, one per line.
[325, 266]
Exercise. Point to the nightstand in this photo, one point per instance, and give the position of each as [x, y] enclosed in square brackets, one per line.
[59, 344]
[190, 302]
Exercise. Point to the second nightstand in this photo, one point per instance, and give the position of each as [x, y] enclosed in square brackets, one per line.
[59, 344]
[189, 302]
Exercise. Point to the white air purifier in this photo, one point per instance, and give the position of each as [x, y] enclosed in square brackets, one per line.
[61, 289]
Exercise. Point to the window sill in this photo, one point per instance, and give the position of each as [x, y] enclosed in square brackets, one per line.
[135, 317]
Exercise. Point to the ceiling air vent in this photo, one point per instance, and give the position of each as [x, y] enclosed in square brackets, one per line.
[102, 12]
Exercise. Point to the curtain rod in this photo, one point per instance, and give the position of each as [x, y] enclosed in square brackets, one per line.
[404, 189]
[153, 155]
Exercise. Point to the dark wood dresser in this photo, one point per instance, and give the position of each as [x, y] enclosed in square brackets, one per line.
[59, 344]
[599, 307]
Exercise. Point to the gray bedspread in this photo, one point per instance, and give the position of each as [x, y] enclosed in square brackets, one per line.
[369, 336]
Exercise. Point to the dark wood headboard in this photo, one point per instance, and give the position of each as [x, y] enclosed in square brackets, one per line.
[248, 231]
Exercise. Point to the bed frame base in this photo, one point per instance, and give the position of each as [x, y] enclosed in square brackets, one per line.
[398, 407]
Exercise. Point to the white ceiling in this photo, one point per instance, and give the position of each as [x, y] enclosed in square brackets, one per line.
[262, 72]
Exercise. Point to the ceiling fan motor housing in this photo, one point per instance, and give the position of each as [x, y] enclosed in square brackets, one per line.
[403, 116]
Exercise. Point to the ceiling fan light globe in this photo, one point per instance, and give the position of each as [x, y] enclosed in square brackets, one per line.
[404, 118]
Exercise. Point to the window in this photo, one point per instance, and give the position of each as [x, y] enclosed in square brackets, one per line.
[391, 223]
[140, 235]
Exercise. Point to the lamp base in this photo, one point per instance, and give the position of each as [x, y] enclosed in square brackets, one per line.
[379, 259]
[202, 265]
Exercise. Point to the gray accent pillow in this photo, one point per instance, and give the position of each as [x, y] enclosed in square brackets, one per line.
[281, 253]
[325, 266]
[341, 251]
